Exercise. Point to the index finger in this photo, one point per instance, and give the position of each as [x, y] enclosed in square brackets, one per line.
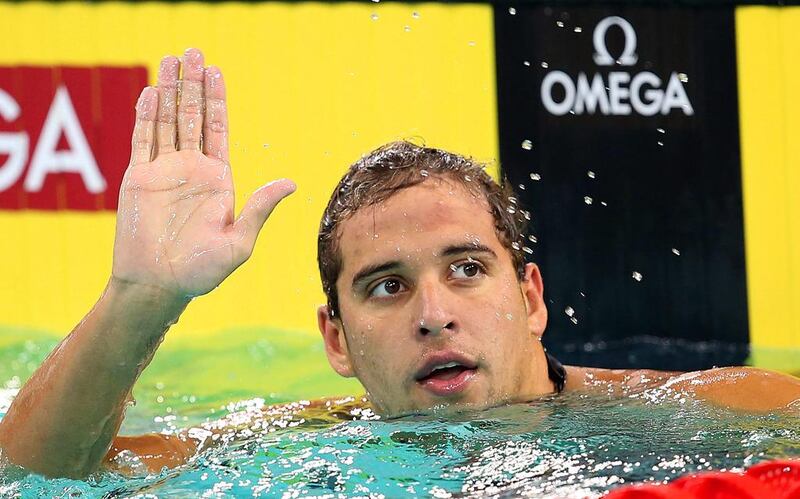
[215, 129]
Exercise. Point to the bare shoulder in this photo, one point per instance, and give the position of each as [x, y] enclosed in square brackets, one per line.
[743, 388]
[746, 388]
[593, 378]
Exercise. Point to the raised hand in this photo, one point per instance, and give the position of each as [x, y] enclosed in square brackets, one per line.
[175, 224]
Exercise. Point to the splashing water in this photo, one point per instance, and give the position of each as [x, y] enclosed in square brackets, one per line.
[574, 444]
[567, 445]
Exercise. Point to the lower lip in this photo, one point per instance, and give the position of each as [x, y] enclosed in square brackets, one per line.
[445, 387]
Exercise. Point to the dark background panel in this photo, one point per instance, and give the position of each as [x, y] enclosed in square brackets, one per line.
[665, 198]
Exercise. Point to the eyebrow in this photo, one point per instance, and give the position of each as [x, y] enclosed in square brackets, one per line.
[459, 249]
[376, 268]
[451, 250]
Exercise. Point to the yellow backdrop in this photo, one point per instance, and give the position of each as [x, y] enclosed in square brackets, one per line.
[312, 86]
[768, 41]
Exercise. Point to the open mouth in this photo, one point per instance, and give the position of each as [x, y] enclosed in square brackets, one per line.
[446, 372]
[448, 378]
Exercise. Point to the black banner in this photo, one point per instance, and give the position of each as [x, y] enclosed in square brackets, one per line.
[619, 127]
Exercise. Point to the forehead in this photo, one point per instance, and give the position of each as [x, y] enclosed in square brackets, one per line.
[420, 218]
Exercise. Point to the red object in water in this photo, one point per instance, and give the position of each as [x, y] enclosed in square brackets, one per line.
[779, 479]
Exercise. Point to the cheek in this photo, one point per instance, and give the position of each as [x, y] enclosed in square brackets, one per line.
[374, 356]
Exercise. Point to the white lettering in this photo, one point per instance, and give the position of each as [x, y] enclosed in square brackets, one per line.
[14, 144]
[625, 93]
[589, 96]
[644, 94]
[652, 103]
[619, 93]
[79, 159]
[563, 107]
[675, 97]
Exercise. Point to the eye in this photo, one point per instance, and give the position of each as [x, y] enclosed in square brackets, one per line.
[388, 287]
[466, 270]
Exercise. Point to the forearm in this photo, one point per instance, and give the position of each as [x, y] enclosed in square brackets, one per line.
[64, 418]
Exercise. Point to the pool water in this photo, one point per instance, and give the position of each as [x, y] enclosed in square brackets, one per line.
[564, 446]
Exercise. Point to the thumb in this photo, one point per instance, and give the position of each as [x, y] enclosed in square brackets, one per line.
[258, 208]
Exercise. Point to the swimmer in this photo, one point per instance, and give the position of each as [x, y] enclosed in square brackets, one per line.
[429, 302]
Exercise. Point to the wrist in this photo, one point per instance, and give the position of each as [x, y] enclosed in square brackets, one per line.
[154, 308]
[149, 294]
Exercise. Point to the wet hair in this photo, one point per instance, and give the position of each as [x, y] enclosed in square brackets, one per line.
[395, 166]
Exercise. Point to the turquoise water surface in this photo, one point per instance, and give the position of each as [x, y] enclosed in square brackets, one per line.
[564, 446]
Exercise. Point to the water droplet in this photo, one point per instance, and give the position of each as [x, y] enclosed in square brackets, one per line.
[560, 24]
[533, 239]
[590, 174]
[637, 276]
[545, 65]
[569, 311]
[265, 146]
[424, 173]
[406, 28]
[527, 145]
[536, 176]
[374, 16]
[471, 43]
[515, 245]
[511, 210]
[521, 187]
[415, 14]
[527, 250]
[660, 143]
[509, 317]
[577, 29]
[661, 130]
[574, 320]
[603, 203]
[512, 11]
[467, 178]
[512, 200]
[683, 77]
[587, 200]
[676, 251]
[527, 63]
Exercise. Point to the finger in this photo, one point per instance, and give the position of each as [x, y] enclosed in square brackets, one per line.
[190, 108]
[167, 104]
[215, 129]
[142, 138]
[257, 210]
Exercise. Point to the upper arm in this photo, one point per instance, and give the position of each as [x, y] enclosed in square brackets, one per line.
[743, 388]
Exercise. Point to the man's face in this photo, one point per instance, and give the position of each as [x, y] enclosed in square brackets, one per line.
[432, 311]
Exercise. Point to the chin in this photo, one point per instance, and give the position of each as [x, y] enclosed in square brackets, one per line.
[443, 408]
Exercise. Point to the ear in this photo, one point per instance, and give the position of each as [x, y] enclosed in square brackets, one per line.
[533, 293]
[335, 342]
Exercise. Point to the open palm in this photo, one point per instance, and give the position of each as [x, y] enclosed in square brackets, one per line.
[175, 223]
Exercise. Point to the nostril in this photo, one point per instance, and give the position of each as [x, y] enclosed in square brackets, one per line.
[424, 330]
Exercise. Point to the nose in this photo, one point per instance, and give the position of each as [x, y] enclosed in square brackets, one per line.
[435, 315]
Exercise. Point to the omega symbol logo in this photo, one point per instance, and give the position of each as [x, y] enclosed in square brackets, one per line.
[601, 55]
[615, 92]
